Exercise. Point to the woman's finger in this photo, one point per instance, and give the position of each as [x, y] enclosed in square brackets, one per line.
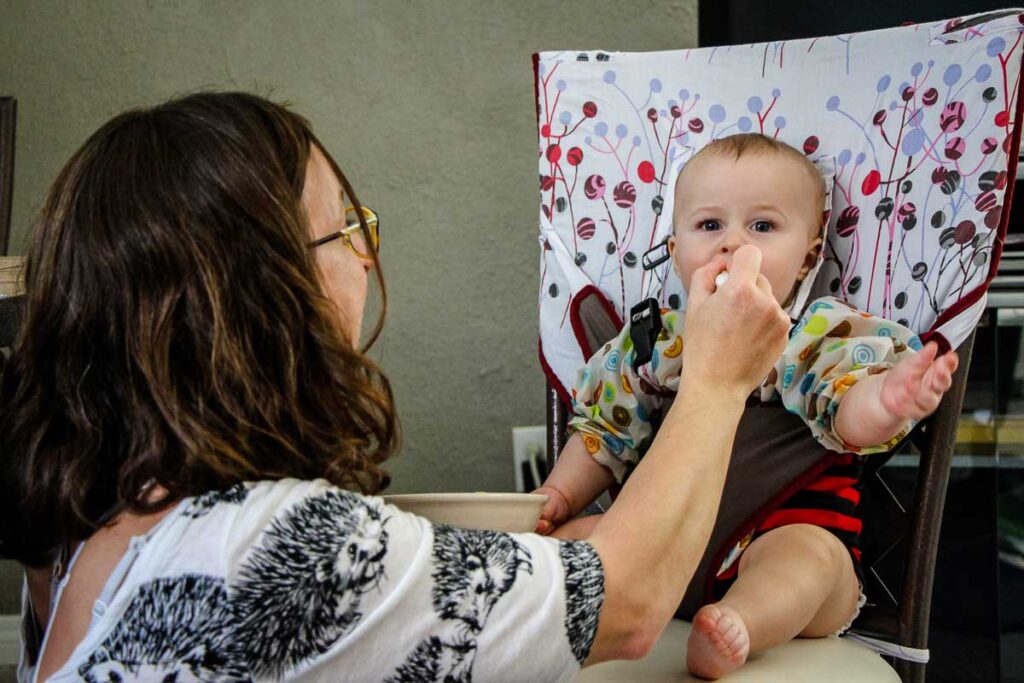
[746, 264]
[702, 282]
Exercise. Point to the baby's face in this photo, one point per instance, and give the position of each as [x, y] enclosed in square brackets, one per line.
[767, 200]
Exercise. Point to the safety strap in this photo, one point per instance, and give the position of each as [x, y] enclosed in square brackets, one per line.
[910, 654]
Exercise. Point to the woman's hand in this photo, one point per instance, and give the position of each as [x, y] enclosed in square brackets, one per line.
[734, 333]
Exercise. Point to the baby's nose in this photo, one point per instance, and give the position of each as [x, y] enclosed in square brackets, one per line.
[731, 241]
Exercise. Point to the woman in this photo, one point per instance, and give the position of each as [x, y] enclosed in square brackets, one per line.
[191, 440]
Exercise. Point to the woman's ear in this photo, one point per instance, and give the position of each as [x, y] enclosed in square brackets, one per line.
[810, 259]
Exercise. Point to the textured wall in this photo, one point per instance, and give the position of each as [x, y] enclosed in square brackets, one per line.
[429, 108]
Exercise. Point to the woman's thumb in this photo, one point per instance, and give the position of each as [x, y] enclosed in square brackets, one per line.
[702, 283]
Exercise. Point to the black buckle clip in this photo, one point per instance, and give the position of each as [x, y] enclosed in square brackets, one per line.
[656, 255]
[644, 328]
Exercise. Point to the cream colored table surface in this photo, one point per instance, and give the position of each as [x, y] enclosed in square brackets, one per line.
[799, 661]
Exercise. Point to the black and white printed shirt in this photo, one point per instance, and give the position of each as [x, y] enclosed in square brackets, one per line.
[302, 581]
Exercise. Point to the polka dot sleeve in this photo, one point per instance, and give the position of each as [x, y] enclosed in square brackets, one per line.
[614, 404]
[830, 349]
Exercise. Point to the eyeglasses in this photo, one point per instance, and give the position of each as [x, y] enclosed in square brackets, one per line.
[353, 235]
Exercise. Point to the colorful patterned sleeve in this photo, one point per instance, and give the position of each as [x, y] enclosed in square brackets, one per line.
[830, 349]
[613, 404]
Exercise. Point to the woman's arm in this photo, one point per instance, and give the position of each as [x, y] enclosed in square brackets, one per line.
[651, 540]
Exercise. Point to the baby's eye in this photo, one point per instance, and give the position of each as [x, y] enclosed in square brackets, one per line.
[762, 226]
[709, 225]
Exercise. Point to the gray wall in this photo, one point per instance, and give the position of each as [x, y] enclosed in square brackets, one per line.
[429, 108]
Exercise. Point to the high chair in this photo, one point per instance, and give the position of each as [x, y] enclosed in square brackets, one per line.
[920, 126]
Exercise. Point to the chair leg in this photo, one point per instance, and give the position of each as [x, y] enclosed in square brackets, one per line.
[926, 519]
[910, 672]
[556, 421]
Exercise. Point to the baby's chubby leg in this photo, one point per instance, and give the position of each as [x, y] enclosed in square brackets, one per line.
[794, 580]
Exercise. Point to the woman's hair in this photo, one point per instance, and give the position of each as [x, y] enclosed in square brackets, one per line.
[176, 331]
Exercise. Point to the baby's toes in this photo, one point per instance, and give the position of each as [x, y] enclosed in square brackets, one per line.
[734, 639]
[718, 642]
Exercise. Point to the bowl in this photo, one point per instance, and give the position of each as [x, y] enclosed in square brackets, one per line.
[509, 512]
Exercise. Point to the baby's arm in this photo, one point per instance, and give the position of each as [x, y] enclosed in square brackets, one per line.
[575, 482]
[612, 405]
[859, 381]
[878, 407]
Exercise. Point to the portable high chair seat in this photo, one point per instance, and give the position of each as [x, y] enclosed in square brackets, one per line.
[920, 126]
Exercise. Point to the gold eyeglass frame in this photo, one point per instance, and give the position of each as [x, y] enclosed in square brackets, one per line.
[352, 225]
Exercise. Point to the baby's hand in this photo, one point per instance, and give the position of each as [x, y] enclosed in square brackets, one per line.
[555, 512]
[913, 387]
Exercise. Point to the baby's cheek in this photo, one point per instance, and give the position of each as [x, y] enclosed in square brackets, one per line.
[685, 275]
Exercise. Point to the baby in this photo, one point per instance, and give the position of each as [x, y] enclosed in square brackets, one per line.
[858, 381]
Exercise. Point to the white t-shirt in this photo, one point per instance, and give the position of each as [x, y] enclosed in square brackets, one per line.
[302, 581]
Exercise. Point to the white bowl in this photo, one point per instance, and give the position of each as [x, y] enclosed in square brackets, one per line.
[510, 512]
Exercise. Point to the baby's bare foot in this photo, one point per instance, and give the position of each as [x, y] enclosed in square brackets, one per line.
[718, 643]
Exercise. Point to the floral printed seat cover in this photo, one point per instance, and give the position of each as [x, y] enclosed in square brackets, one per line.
[920, 124]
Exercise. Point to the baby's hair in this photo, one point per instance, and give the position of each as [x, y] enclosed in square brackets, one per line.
[743, 144]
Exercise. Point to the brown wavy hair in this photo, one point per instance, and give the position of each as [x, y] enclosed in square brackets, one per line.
[176, 331]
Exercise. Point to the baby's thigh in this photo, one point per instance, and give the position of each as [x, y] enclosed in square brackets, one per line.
[805, 546]
[818, 562]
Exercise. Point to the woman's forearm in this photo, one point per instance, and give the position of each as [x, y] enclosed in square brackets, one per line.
[653, 537]
[862, 420]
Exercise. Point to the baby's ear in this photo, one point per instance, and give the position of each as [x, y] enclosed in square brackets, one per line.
[810, 259]
[672, 256]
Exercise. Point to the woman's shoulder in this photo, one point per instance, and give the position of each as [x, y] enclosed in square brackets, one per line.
[255, 501]
[295, 512]
[236, 573]
[253, 526]
[254, 495]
